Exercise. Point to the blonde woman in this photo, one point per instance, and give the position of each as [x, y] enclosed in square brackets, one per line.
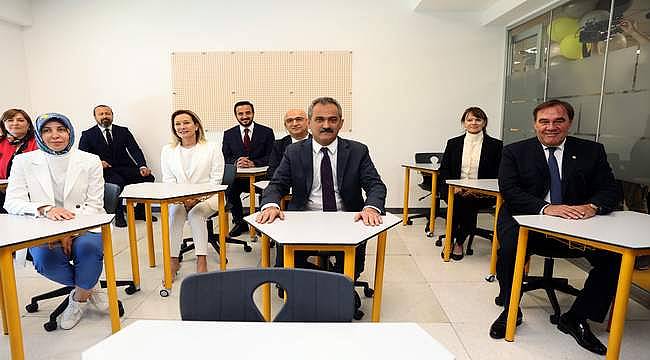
[190, 159]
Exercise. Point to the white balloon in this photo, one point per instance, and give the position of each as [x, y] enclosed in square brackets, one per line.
[616, 42]
[579, 8]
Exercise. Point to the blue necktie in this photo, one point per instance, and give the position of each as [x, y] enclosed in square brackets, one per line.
[327, 182]
[556, 182]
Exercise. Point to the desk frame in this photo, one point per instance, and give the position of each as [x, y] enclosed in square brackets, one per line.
[251, 191]
[434, 179]
[622, 290]
[9, 296]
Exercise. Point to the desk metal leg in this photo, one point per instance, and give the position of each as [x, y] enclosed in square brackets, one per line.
[133, 244]
[348, 261]
[266, 288]
[432, 214]
[150, 246]
[522, 243]
[620, 305]
[379, 276]
[164, 214]
[251, 191]
[109, 267]
[3, 311]
[405, 213]
[223, 230]
[495, 242]
[450, 214]
[11, 304]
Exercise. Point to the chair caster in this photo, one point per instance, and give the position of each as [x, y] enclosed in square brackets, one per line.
[498, 300]
[358, 314]
[438, 243]
[183, 246]
[409, 222]
[368, 292]
[247, 248]
[50, 326]
[490, 278]
[31, 307]
[120, 308]
[429, 234]
[164, 292]
[469, 252]
[554, 319]
[131, 289]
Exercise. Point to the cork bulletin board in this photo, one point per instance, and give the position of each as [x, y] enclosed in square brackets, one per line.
[210, 83]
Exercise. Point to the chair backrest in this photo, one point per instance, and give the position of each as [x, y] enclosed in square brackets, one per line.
[229, 172]
[311, 295]
[111, 197]
[427, 158]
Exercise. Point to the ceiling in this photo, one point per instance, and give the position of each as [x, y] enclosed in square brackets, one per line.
[454, 5]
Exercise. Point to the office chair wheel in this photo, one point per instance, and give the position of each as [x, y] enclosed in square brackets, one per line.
[554, 319]
[469, 252]
[50, 326]
[429, 234]
[120, 308]
[409, 222]
[439, 242]
[164, 292]
[32, 307]
[183, 246]
[247, 248]
[368, 292]
[490, 278]
[498, 300]
[358, 314]
[131, 289]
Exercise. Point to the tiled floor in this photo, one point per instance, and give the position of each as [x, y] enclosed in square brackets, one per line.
[451, 301]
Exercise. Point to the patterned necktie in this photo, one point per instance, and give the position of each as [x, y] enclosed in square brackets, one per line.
[327, 182]
[109, 138]
[247, 141]
[556, 182]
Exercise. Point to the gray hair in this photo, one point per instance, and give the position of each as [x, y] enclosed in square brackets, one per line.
[324, 100]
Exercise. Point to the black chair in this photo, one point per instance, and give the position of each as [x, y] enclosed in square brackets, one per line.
[313, 296]
[111, 197]
[229, 173]
[425, 158]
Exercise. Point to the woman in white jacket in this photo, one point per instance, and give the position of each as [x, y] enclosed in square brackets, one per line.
[59, 182]
[190, 159]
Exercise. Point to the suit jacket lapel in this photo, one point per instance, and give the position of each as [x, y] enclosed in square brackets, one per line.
[341, 160]
[541, 163]
[307, 164]
[568, 164]
[42, 174]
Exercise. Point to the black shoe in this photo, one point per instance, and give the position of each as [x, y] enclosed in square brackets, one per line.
[144, 217]
[579, 329]
[498, 300]
[238, 229]
[456, 257]
[498, 328]
[120, 222]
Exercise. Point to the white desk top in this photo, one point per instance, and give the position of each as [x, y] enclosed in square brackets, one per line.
[422, 166]
[626, 229]
[160, 339]
[323, 228]
[253, 170]
[479, 184]
[17, 229]
[262, 185]
[163, 191]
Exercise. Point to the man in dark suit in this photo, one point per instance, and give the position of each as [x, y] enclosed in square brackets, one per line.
[122, 158]
[568, 177]
[246, 145]
[326, 173]
[295, 121]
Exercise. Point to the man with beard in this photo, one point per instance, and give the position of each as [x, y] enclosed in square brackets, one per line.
[122, 158]
[246, 145]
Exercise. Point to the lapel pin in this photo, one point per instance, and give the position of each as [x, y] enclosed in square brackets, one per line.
[573, 157]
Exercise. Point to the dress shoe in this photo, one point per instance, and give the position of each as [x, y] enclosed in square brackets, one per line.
[579, 329]
[238, 229]
[498, 328]
[120, 222]
[144, 217]
[457, 257]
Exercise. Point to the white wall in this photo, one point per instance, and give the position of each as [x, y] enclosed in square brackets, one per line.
[413, 73]
[17, 12]
[13, 72]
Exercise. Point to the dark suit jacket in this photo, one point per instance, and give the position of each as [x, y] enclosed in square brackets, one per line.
[126, 151]
[524, 178]
[276, 154]
[261, 145]
[452, 160]
[354, 172]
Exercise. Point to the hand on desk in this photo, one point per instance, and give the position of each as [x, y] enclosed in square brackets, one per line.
[269, 214]
[369, 216]
[244, 162]
[57, 213]
[575, 212]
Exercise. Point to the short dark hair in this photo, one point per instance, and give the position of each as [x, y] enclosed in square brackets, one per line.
[98, 106]
[476, 111]
[242, 103]
[324, 100]
[553, 103]
[9, 114]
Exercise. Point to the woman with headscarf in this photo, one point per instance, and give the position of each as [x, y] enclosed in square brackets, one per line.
[16, 137]
[59, 182]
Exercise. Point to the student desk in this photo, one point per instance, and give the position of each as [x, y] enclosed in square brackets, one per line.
[251, 174]
[483, 186]
[324, 231]
[262, 185]
[623, 232]
[422, 168]
[21, 232]
[254, 340]
[165, 194]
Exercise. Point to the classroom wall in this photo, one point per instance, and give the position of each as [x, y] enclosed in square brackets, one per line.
[13, 71]
[413, 73]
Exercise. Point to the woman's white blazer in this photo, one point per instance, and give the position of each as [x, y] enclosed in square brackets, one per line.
[206, 167]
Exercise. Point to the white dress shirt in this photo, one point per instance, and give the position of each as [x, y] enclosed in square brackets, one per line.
[559, 151]
[250, 130]
[315, 201]
[186, 159]
[472, 146]
[103, 131]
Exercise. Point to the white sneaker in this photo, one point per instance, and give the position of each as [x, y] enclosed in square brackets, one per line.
[73, 313]
[99, 299]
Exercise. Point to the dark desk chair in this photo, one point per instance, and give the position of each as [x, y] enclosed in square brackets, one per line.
[426, 158]
[313, 296]
[229, 173]
[111, 197]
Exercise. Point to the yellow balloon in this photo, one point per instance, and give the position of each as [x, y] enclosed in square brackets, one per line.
[571, 47]
[563, 27]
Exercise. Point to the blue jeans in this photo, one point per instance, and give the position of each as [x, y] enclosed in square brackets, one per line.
[87, 255]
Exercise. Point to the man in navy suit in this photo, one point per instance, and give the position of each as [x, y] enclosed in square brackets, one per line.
[122, 158]
[246, 145]
[295, 121]
[558, 175]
